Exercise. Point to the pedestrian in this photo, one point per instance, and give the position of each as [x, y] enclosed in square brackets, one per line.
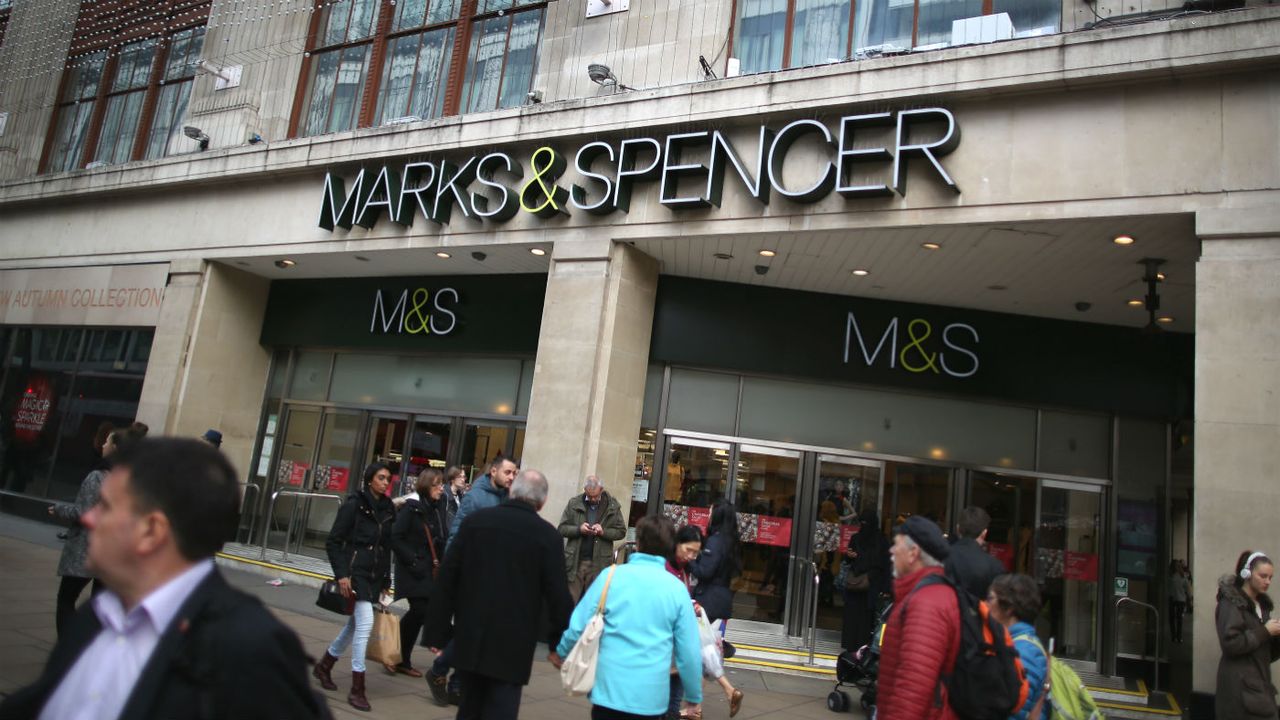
[866, 557]
[1014, 601]
[418, 539]
[718, 563]
[591, 523]
[1250, 640]
[360, 554]
[1179, 597]
[920, 646]
[455, 486]
[488, 491]
[688, 545]
[502, 575]
[969, 563]
[168, 637]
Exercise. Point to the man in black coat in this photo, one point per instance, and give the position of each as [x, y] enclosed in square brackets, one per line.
[169, 638]
[503, 569]
[969, 564]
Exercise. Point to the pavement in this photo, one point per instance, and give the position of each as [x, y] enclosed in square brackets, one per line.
[29, 555]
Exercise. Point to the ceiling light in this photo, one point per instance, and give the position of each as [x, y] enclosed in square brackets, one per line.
[1160, 276]
[443, 255]
[767, 253]
[1135, 302]
[1166, 319]
[285, 264]
[861, 273]
[930, 246]
[538, 251]
[600, 74]
[722, 256]
[1122, 240]
[198, 135]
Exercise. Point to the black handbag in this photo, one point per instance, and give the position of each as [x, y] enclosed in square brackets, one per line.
[331, 599]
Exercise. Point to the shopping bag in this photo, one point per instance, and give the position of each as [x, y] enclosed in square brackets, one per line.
[384, 640]
[578, 671]
[712, 655]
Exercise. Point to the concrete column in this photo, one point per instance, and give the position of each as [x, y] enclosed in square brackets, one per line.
[588, 381]
[207, 368]
[1237, 407]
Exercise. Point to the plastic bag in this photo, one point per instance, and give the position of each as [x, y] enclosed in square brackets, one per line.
[712, 658]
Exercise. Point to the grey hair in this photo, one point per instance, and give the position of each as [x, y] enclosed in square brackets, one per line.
[530, 486]
[591, 482]
[925, 558]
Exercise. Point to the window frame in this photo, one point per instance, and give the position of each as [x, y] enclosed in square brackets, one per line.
[179, 20]
[789, 29]
[381, 39]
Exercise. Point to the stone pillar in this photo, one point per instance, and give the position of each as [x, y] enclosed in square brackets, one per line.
[588, 381]
[207, 368]
[1237, 408]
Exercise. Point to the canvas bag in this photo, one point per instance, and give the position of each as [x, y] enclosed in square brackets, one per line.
[578, 671]
[384, 639]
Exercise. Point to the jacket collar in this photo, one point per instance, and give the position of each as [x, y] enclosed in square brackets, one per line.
[512, 502]
[905, 584]
[1227, 590]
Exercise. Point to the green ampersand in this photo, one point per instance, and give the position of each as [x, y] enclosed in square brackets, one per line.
[547, 163]
[420, 298]
[930, 361]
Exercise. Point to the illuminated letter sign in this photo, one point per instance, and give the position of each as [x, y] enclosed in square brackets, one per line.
[415, 311]
[918, 354]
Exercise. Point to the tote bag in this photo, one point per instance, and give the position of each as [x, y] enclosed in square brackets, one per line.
[578, 671]
[384, 640]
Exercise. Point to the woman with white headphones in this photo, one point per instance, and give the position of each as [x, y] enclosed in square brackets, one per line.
[1250, 640]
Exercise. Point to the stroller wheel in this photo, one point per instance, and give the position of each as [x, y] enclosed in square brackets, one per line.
[837, 701]
[867, 703]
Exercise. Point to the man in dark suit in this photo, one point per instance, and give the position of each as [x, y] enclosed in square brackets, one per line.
[503, 569]
[169, 638]
[969, 564]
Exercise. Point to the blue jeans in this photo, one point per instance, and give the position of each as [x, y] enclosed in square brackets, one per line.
[356, 634]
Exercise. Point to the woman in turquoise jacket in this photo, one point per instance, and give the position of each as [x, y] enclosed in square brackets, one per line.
[1015, 602]
[648, 620]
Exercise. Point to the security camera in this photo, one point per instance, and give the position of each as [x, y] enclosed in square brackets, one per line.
[478, 256]
[762, 269]
[534, 96]
[1083, 306]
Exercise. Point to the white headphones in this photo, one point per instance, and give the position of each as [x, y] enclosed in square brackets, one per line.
[1245, 572]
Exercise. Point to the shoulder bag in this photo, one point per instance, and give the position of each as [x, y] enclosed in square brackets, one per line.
[578, 671]
[435, 561]
[331, 599]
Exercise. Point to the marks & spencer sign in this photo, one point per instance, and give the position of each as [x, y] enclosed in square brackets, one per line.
[495, 187]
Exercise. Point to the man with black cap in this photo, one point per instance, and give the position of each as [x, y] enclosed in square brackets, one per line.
[922, 635]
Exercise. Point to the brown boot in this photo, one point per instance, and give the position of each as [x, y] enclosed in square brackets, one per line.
[356, 697]
[322, 669]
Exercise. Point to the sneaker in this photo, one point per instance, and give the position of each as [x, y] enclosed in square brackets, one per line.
[436, 683]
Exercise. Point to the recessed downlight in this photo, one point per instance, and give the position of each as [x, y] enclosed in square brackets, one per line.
[361, 258]
[1123, 240]
[768, 253]
[285, 263]
[537, 251]
[1159, 277]
[443, 255]
[931, 246]
[861, 272]
[1166, 319]
[1135, 302]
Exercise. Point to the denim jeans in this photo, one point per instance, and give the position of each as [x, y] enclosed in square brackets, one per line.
[356, 634]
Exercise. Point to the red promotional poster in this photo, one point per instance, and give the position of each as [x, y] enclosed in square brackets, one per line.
[774, 531]
[1003, 553]
[33, 409]
[700, 516]
[298, 473]
[1080, 566]
[395, 482]
[338, 478]
[846, 532]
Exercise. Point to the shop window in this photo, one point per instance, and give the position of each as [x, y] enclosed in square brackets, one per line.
[6, 9]
[643, 475]
[775, 34]
[375, 61]
[127, 86]
[702, 401]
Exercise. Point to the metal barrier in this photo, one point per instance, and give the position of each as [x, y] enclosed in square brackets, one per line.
[271, 511]
[629, 546]
[813, 617]
[244, 498]
[1155, 678]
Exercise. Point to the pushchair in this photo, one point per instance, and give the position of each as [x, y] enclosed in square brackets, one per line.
[860, 668]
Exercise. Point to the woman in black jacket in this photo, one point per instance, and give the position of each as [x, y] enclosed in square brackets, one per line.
[718, 563]
[360, 553]
[867, 555]
[418, 538]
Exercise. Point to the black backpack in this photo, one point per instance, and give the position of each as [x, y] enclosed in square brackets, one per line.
[988, 681]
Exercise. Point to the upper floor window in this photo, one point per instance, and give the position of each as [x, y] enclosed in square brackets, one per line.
[6, 9]
[124, 101]
[776, 34]
[374, 61]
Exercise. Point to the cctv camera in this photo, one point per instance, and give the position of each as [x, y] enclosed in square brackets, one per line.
[762, 269]
[534, 96]
[1083, 306]
[477, 255]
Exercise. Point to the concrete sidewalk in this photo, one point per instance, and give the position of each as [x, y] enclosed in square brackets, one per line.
[29, 554]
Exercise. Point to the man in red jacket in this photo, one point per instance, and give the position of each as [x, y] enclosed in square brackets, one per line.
[922, 635]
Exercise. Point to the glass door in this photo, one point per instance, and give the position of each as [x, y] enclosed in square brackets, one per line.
[428, 448]
[298, 437]
[844, 488]
[765, 488]
[917, 490]
[334, 476]
[385, 443]
[1011, 503]
[481, 443]
[1067, 565]
[697, 474]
